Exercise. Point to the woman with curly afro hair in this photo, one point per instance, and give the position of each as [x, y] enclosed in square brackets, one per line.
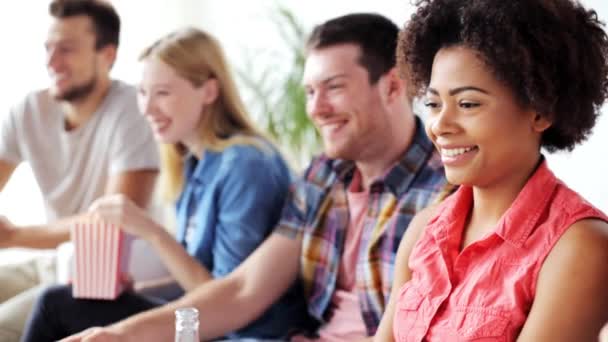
[513, 254]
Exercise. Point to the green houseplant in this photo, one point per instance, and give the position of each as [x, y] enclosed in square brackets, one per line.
[278, 95]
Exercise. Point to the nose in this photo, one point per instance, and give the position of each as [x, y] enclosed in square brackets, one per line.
[145, 104]
[318, 105]
[442, 122]
[52, 59]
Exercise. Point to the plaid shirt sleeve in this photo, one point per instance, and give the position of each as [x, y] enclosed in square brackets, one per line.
[304, 198]
[293, 215]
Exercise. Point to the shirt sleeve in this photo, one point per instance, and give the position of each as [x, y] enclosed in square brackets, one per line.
[296, 207]
[249, 205]
[133, 145]
[9, 138]
[293, 215]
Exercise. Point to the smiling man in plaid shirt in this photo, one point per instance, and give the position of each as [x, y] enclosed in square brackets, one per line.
[343, 221]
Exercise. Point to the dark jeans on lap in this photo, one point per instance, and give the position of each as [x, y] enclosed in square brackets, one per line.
[57, 314]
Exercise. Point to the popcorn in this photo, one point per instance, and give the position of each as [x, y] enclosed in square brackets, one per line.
[101, 254]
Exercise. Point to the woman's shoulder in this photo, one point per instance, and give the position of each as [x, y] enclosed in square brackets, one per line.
[252, 159]
[421, 221]
[262, 152]
[580, 254]
[587, 237]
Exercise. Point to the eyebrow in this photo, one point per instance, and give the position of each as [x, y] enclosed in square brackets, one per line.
[156, 85]
[329, 79]
[458, 90]
[67, 41]
[161, 85]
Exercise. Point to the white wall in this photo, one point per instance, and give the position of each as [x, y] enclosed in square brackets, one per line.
[585, 169]
[241, 26]
[22, 69]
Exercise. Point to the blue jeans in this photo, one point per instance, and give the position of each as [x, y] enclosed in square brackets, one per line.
[57, 314]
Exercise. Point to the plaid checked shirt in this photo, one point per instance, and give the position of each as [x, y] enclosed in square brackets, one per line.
[317, 208]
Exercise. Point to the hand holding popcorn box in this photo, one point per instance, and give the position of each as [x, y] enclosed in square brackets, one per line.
[101, 254]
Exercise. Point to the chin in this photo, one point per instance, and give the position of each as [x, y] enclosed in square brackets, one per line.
[163, 139]
[457, 178]
[55, 92]
[337, 151]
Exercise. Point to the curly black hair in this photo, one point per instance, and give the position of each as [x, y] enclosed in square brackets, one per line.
[552, 54]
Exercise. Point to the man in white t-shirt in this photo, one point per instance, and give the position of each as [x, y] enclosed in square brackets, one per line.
[83, 138]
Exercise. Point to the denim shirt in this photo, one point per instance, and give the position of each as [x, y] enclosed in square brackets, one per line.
[230, 202]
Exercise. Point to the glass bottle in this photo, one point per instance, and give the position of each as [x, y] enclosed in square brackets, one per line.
[186, 325]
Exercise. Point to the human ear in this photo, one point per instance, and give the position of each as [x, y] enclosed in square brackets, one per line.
[395, 85]
[108, 53]
[210, 91]
[540, 123]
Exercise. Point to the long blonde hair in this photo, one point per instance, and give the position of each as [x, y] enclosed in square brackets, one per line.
[197, 56]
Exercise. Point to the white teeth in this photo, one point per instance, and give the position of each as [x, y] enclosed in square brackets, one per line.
[453, 152]
[330, 128]
[159, 125]
[58, 76]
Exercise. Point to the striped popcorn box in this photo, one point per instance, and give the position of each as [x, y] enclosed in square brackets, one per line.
[101, 253]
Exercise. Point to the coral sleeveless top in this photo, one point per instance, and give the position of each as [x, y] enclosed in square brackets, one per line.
[485, 291]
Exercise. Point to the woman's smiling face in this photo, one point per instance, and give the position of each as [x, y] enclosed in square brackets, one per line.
[483, 133]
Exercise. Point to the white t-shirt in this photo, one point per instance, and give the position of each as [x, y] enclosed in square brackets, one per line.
[72, 168]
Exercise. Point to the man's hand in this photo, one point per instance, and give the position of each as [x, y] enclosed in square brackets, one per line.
[604, 334]
[97, 335]
[7, 231]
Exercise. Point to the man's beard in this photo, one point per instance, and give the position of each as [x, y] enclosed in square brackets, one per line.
[78, 92]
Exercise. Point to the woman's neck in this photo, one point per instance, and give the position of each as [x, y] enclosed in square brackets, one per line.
[491, 202]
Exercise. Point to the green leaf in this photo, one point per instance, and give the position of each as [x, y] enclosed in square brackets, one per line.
[282, 98]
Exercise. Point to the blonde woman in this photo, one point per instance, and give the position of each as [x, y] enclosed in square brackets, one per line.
[227, 181]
